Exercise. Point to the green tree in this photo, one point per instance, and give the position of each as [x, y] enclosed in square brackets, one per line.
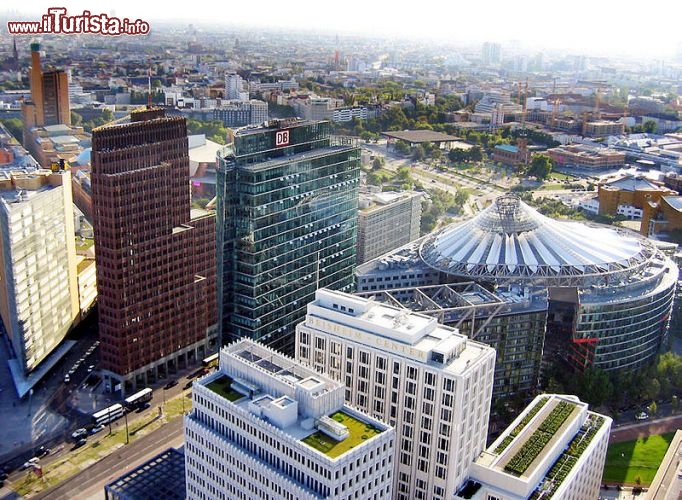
[476, 154]
[378, 162]
[594, 386]
[649, 126]
[418, 153]
[653, 408]
[401, 147]
[540, 166]
[404, 174]
[651, 388]
[14, 126]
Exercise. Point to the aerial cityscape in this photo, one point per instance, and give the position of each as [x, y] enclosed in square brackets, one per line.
[345, 252]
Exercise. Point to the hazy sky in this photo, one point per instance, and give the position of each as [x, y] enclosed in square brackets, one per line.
[650, 29]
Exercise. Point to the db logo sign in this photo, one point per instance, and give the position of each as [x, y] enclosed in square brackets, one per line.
[282, 138]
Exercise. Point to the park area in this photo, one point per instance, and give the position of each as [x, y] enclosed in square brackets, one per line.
[635, 462]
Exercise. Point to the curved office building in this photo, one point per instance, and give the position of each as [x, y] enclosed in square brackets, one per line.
[611, 291]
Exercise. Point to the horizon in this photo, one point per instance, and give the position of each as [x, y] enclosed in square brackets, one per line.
[590, 29]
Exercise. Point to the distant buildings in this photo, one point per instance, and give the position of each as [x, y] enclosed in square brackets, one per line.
[629, 195]
[662, 217]
[264, 426]
[241, 113]
[405, 368]
[387, 221]
[235, 88]
[588, 157]
[514, 155]
[39, 300]
[556, 448]
[49, 104]
[155, 256]
[287, 225]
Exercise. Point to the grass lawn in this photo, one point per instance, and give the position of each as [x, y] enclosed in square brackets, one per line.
[625, 462]
[562, 177]
[222, 386]
[359, 431]
[83, 244]
[549, 186]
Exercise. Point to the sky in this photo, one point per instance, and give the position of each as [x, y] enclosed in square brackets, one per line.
[642, 29]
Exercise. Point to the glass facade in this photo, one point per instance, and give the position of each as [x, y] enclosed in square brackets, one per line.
[287, 217]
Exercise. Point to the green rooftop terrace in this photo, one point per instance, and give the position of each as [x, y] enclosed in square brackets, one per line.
[223, 386]
[359, 432]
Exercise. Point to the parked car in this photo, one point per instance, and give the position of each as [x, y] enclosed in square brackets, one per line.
[42, 451]
[80, 442]
[96, 429]
[67, 378]
[79, 433]
[642, 416]
[171, 383]
[30, 463]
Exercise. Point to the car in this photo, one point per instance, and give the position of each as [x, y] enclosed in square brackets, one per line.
[642, 416]
[143, 407]
[171, 383]
[67, 378]
[80, 442]
[30, 463]
[42, 451]
[79, 433]
[90, 368]
[96, 429]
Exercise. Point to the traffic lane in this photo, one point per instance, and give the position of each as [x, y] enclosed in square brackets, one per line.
[90, 481]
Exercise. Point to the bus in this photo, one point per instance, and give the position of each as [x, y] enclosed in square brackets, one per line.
[211, 361]
[107, 415]
[138, 399]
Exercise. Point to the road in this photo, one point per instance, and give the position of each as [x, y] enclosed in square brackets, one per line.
[89, 483]
[649, 428]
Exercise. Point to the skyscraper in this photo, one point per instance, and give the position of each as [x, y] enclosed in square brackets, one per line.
[155, 255]
[49, 103]
[287, 225]
[264, 426]
[38, 275]
[433, 384]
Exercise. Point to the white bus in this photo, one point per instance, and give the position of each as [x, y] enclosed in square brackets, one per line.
[138, 398]
[107, 415]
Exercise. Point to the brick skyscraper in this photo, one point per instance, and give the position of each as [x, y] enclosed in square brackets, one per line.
[155, 256]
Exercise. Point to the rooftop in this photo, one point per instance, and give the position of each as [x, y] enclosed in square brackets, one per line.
[511, 240]
[160, 477]
[674, 201]
[359, 431]
[420, 136]
[394, 329]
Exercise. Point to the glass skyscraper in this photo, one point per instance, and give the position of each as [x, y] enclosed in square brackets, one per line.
[287, 225]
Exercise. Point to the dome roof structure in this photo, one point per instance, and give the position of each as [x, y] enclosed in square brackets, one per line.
[510, 241]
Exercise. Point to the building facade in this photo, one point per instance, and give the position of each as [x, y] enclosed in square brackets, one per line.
[264, 426]
[155, 256]
[38, 275]
[427, 380]
[387, 221]
[287, 201]
[556, 448]
[49, 104]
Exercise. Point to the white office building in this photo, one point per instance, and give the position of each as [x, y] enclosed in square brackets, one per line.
[235, 88]
[264, 426]
[38, 270]
[556, 448]
[433, 384]
[387, 221]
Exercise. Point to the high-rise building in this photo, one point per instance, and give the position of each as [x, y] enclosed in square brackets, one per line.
[556, 448]
[49, 103]
[405, 368]
[387, 221]
[264, 426]
[38, 275]
[155, 255]
[234, 88]
[287, 225]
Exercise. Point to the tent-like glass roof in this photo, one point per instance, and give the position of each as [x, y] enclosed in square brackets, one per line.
[511, 240]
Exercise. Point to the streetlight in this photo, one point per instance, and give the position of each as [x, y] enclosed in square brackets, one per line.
[125, 414]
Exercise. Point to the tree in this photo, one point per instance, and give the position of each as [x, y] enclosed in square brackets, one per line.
[653, 408]
[476, 154]
[540, 166]
[378, 162]
[418, 153]
[14, 126]
[594, 386]
[651, 388]
[649, 126]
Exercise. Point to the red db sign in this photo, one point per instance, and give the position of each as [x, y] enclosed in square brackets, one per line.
[282, 138]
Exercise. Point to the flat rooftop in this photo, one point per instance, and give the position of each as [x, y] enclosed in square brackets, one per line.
[359, 431]
[420, 136]
[160, 477]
